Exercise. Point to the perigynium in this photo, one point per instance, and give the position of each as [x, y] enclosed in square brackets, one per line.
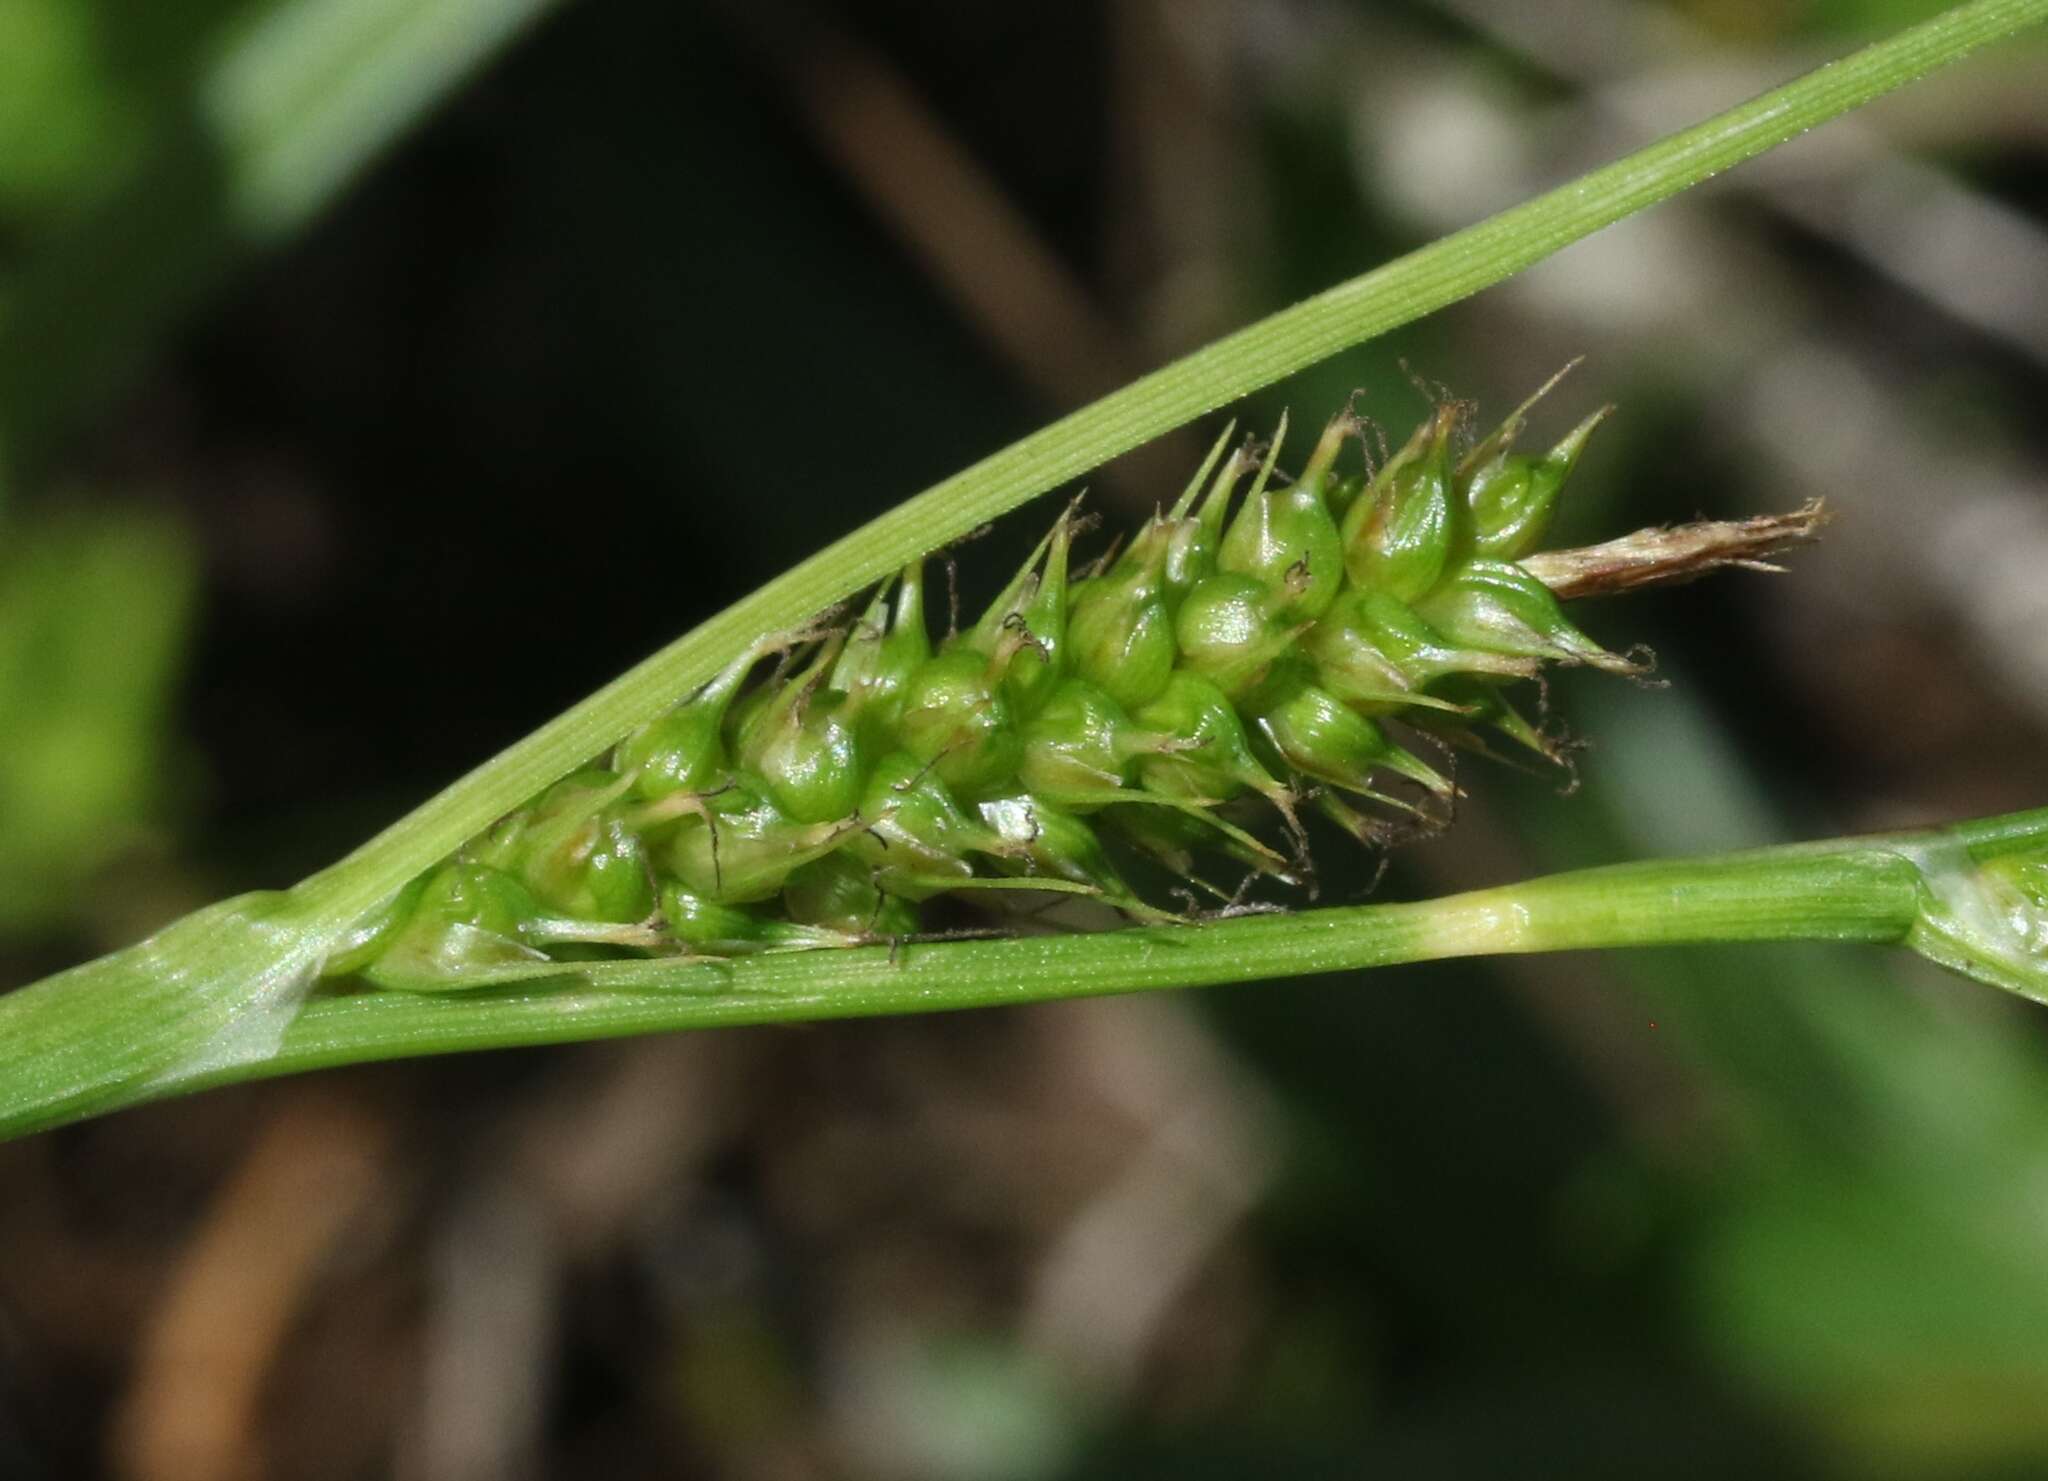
[1264, 650]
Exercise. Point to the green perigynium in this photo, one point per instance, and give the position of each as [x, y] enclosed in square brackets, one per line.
[1264, 646]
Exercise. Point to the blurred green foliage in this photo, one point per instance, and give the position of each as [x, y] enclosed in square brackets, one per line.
[95, 614]
[146, 148]
[59, 111]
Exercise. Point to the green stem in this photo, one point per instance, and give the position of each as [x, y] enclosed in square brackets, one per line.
[1881, 890]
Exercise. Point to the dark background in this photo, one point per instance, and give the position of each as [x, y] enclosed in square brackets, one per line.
[339, 455]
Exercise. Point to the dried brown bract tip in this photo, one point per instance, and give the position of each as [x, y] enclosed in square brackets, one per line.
[1677, 553]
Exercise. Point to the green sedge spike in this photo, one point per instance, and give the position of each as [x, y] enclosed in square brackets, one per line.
[1243, 660]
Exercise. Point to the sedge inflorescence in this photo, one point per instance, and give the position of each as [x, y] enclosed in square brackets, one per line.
[1188, 697]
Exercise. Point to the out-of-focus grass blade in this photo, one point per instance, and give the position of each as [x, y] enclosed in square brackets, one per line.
[290, 108]
[312, 92]
[93, 616]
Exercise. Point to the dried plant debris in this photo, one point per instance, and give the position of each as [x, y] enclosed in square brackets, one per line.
[1264, 651]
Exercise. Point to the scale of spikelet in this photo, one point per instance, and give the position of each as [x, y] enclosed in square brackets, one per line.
[1238, 648]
